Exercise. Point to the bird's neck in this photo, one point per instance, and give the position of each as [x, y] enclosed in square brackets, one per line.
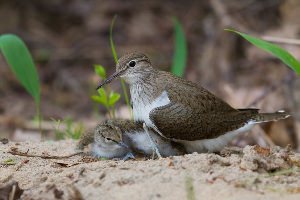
[145, 89]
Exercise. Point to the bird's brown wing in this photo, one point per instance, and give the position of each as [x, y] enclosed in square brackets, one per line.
[190, 95]
[194, 113]
[176, 121]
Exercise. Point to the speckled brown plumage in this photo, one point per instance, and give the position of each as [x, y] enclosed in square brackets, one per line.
[108, 128]
[85, 139]
[123, 124]
[194, 113]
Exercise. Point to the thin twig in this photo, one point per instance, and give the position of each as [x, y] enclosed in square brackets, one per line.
[282, 40]
[18, 153]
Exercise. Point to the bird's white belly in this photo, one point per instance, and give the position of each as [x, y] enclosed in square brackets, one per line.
[140, 142]
[114, 151]
[216, 144]
[142, 109]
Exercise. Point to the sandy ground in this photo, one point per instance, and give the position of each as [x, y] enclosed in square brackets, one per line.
[249, 173]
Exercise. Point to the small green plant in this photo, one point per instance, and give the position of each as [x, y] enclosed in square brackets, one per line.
[71, 130]
[10, 161]
[180, 50]
[106, 96]
[275, 50]
[189, 187]
[20, 61]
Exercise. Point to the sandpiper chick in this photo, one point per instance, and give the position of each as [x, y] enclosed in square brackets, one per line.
[124, 139]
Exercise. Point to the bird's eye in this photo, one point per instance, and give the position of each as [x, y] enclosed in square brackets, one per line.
[108, 139]
[132, 63]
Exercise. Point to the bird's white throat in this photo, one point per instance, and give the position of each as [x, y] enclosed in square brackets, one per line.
[142, 104]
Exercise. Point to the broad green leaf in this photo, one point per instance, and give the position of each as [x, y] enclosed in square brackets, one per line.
[275, 50]
[19, 59]
[100, 71]
[113, 98]
[180, 52]
[96, 98]
[99, 99]
[102, 96]
[112, 45]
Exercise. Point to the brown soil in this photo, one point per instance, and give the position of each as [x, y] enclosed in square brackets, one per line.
[249, 173]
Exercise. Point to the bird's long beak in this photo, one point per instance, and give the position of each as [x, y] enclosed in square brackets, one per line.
[109, 79]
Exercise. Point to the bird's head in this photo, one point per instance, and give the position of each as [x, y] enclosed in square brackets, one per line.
[109, 136]
[131, 67]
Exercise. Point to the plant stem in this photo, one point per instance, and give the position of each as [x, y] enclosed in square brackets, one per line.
[112, 45]
[109, 111]
[113, 50]
[39, 118]
[113, 112]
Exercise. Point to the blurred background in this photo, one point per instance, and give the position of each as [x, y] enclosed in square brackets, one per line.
[68, 37]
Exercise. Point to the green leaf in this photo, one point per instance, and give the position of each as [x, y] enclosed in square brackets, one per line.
[99, 99]
[9, 161]
[100, 71]
[112, 45]
[180, 53]
[275, 50]
[19, 59]
[96, 98]
[102, 92]
[113, 98]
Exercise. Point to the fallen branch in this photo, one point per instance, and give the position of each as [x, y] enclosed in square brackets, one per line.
[18, 153]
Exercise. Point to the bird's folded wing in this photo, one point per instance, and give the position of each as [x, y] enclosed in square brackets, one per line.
[176, 121]
[193, 96]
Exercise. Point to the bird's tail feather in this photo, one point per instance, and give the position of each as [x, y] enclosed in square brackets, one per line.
[266, 117]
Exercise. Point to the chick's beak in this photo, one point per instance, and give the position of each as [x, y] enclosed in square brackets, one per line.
[109, 79]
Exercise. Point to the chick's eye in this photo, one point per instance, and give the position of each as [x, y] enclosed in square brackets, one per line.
[132, 63]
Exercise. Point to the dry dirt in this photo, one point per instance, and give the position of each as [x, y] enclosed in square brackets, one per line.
[249, 173]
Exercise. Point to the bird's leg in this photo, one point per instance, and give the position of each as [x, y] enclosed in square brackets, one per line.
[153, 145]
[128, 156]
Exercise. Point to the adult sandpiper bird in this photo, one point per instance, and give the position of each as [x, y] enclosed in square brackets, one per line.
[182, 111]
[124, 138]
